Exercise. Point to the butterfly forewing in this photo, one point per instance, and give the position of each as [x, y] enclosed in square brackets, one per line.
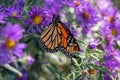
[50, 39]
[46, 31]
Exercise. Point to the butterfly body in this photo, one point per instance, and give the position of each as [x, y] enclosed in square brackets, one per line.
[57, 37]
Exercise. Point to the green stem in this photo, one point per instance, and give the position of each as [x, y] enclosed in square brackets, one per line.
[7, 66]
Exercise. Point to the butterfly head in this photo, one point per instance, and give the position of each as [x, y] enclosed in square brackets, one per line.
[56, 18]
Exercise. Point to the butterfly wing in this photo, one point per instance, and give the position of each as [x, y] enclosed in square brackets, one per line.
[69, 43]
[50, 38]
[58, 37]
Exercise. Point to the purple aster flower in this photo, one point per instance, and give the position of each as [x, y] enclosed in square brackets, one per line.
[52, 4]
[3, 17]
[73, 3]
[23, 77]
[48, 16]
[2, 8]
[106, 33]
[10, 48]
[104, 5]
[107, 77]
[74, 32]
[19, 3]
[111, 32]
[115, 31]
[93, 44]
[36, 18]
[29, 60]
[111, 58]
[50, 8]
[87, 16]
[111, 16]
[49, 1]
[15, 11]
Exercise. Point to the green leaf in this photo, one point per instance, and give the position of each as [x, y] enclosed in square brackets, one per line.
[12, 69]
[8, 77]
[73, 76]
[100, 76]
[74, 61]
[76, 54]
[55, 72]
[95, 57]
[96, 51]
[7, 74]
[82, 41]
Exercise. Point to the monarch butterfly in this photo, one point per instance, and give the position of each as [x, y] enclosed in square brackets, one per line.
[57, 37]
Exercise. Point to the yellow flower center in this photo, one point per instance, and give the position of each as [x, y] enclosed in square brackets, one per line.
[14, 14]
[114, 32]
[10, 43]
[76, 3]
[86, 15]
[37, 19]
[111, 19]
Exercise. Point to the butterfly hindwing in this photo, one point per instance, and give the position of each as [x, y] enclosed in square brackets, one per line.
[69, 43]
